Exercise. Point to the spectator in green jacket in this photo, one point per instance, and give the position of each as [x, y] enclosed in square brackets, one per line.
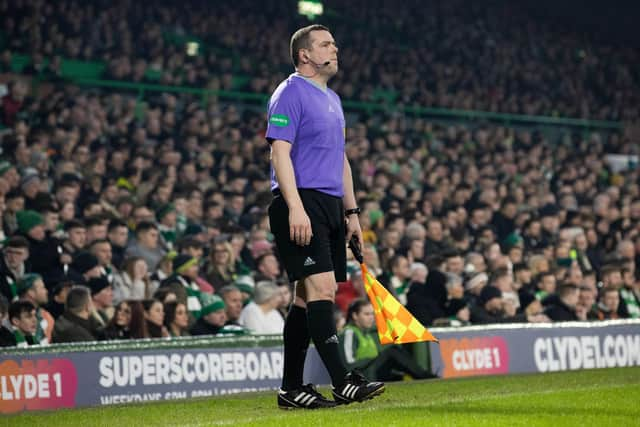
[361, 348]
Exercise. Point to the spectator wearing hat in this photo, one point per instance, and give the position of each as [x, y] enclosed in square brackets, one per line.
[182, 283]
[85, 265]
[22, 325]
[195, 248]
[102, 299]
[261, 316]
[473, 287]
[146, 244]
[76, 324]
[214, 318]
[30, 185]
[44, 251]
[246, 284]
[13, 265]
[30, 287]
[10, 174]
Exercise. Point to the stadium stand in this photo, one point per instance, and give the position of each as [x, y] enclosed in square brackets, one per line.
[494, 149]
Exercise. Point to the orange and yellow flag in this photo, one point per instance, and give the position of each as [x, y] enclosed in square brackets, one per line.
[395, 324]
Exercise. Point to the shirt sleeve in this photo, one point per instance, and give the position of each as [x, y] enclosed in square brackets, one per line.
[284, 115]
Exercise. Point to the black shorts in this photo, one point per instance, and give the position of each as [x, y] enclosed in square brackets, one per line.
[327, 249]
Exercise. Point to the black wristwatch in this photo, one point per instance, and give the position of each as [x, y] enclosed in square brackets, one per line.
[352, 211]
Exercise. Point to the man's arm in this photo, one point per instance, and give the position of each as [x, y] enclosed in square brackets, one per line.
[299, 223]
[349, 201]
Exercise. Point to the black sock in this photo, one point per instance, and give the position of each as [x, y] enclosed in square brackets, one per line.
[296, 342]
[322, 329]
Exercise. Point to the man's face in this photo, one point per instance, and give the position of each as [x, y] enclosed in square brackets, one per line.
[455, 265]
[548, 283]
[149, 238]
[39, 292]
[572, 298]
[270, 267]
[104, 298]
[119, 236]
[27, 323]
[15, 257]
[323, 49]
[217, 318]
[611, 300]
[401, 269]
[78, 237]
[96, 232]
[102, 251]
[587, 298]
[233, 304]
[37, 232]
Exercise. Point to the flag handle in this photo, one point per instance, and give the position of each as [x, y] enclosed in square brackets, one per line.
[354, 245]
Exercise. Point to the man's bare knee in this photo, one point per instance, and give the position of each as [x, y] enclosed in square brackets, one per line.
[321, 287]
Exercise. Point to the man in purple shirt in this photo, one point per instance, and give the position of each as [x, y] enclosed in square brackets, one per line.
[312, 185]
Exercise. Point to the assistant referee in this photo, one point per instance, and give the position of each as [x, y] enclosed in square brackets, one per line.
[312, 215]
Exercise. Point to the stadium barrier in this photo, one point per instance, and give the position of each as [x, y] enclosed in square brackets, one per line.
[117, 372]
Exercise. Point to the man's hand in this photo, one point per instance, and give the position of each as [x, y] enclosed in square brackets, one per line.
[299, 226]
[463, 314]
[353, 229]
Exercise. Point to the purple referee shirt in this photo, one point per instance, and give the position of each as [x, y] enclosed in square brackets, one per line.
[311, 119]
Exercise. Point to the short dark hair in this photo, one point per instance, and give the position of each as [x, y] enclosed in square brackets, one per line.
[73, 223]
[17, 242]
[301, 39]
[115, 223]
[567, 289]
[145, 226]
[77, 298]
[18, 307]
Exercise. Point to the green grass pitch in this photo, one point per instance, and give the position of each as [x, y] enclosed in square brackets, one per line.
[605, 397]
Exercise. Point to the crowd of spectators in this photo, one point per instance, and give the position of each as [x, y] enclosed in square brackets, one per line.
[490, 57]
[119, 223]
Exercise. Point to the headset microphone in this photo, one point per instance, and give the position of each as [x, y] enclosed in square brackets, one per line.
[324, 64]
